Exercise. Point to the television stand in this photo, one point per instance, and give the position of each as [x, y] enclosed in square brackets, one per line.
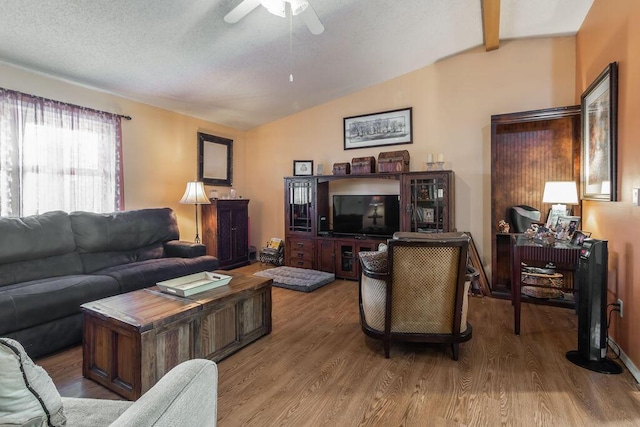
[339, 254]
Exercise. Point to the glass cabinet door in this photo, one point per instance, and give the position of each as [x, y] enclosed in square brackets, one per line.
[427, 196]
[300, 206]
[428, 201]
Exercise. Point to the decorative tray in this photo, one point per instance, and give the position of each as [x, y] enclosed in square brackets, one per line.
[193, 283]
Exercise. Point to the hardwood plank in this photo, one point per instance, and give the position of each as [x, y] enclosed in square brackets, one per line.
[317, 368]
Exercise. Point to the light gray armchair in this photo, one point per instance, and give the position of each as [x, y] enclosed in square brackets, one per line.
[185, 396]
[417, 290]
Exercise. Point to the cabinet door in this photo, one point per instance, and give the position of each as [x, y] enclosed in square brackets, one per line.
[239, 234]
[345, 253]
[225, 236]
[326, 255]
[428, 202]
[299, 206]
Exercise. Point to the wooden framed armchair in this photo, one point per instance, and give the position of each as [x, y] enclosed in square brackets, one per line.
[417, 290]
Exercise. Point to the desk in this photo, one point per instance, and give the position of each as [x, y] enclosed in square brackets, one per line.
[524, 249]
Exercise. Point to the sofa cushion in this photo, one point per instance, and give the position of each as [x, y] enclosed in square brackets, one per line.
[33, 237]
[28, 397]
[100, 260]
[138, 275]
[55, 266]
[31, 303]
[123, 231]
[37, 247]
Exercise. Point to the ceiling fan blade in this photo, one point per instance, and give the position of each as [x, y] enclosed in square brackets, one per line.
[310, 18]
[241, 10]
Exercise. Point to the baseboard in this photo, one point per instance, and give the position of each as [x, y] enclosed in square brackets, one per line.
[626, 361]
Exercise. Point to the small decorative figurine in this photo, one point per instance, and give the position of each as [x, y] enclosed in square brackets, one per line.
[503, 226]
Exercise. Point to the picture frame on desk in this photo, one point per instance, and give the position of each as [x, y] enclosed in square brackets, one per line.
[302, 167]
[567, 226]
[579, 236]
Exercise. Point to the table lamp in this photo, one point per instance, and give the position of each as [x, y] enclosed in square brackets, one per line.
[560, 194]
[195, 195]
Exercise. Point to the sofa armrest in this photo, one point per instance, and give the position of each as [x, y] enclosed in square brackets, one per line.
[182, 249]
[185, 396]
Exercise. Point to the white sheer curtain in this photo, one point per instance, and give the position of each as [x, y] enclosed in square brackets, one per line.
[56, 156]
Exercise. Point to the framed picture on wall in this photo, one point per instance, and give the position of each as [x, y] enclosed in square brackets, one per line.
[373, 130]
[600, 136]
[215, 160]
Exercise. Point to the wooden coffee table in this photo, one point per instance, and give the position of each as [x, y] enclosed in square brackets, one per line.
[131, 340]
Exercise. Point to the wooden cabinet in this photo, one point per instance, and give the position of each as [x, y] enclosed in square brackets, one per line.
[340, 255]
[426, 204]
[225, 225]
[428, 199]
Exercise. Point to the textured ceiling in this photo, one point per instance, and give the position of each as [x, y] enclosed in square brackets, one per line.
[181, 55]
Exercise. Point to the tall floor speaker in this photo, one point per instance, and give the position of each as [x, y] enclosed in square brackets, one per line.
[592, 310]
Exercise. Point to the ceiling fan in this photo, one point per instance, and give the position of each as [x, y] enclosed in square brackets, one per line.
[278, 8]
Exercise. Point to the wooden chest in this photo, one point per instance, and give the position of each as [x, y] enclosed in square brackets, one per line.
[393, 161]
[363, 165]
[341, 168]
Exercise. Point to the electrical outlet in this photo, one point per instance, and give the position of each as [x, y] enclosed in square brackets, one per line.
[620, 307]
[635, 198]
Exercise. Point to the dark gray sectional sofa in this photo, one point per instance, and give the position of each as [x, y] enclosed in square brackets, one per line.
[52, 263]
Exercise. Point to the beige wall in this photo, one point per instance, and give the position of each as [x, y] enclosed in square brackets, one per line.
[611, 33]
[452, 101]
[159, 146]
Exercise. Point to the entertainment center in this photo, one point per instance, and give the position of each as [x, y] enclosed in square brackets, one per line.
[325, 228]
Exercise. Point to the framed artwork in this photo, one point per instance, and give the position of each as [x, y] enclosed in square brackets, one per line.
[428, 215]
[303, 167]
[599, 137]
[215, 160]
[374, 130]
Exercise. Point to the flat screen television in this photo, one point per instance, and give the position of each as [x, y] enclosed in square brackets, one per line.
[371, 215]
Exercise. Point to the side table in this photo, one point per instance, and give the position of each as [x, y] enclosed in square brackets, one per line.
[524, 249]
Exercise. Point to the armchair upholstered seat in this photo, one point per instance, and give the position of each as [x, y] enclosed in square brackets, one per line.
[417, 291]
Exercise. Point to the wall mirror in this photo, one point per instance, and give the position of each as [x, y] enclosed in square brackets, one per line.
[215, 160]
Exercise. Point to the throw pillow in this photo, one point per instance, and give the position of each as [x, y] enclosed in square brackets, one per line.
[375, 261]
[28, 397]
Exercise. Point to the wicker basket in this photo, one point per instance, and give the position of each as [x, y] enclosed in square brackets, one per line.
[544, 285]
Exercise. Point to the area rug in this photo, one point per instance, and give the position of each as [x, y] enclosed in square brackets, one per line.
[297, 279]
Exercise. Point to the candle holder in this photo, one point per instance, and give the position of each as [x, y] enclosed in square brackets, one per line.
[435, 166]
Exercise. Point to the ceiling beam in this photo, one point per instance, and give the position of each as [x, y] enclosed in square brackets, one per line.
[491, 24]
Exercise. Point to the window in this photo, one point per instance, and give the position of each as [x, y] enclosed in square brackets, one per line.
[56, 156]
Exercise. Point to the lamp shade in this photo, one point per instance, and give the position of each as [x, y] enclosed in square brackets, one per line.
[194, 194]
[564, 192]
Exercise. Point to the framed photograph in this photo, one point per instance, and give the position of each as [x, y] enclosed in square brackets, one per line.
[374, 130]
[567, 226]
[599, 137]
[428, 215]
[552, 217]
[215, 160]
[579, 236]
[303, 167]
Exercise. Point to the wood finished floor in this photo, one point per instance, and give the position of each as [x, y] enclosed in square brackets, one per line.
[318, 369]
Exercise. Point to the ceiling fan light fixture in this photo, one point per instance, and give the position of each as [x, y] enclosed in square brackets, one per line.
[275, 7]
[298, 6]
